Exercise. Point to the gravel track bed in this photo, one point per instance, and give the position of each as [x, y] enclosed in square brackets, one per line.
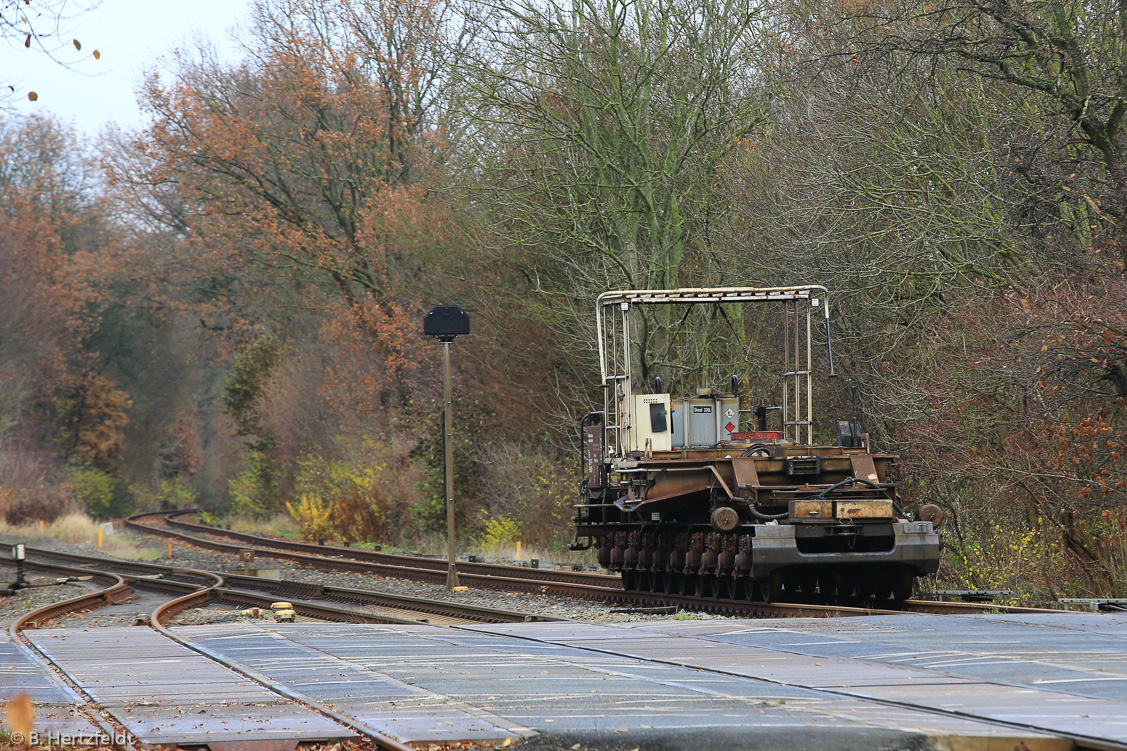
[526, 602]
[24, 601]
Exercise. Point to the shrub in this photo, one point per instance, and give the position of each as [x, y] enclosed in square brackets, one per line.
[28, 488]
[500, 532]
[97, 492]
[253, 490]
[355, 495]
[312, 515]
[529, 485]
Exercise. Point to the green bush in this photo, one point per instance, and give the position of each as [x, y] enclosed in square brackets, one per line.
[97, 492]
[253, 490]
[500, 531]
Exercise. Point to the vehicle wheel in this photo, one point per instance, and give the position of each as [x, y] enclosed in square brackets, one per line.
[903, 582]
[773, 592]
[880, 584]
[865, 585]
[747, 589]
[827, 584]
[680, 584]
[807, 581]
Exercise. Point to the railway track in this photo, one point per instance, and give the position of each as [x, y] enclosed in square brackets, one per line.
[187, 588]
[394, 561]
[567, 583]
[188, 594]
[322, 602]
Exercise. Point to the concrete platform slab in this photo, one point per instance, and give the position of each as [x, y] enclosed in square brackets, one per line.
[564, 691]
[377, 701]
[22, 673]
[55, 702]
[163, 692]
[1021, 672]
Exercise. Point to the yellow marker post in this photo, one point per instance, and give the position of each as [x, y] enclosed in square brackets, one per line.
[518, 550]
[99, 537]
[40, 525]
[170, 550]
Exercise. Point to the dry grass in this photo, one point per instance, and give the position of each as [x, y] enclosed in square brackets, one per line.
[506, 552]
[79, 529]
[282, 525]
[278, 525]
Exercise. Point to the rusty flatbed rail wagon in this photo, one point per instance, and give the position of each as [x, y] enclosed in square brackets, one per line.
[694, 489]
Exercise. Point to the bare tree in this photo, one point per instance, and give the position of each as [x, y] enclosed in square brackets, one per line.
[1071, 54]
[603, 127]
[44, 26]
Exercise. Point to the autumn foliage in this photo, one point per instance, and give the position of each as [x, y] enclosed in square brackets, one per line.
[56, 409]
[225, 305]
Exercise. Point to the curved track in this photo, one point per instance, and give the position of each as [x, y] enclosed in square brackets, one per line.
[205, 588]
[392, 561]
[576, 584]
[194, 589]
[199, 588]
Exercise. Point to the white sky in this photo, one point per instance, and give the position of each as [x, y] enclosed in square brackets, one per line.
[131, 36]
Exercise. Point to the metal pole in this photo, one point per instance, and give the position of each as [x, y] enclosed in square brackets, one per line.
[448, 412]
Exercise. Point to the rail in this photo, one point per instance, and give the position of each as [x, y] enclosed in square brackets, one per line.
[353, 605]
[118, 587]
[392, 560]
[425, 569]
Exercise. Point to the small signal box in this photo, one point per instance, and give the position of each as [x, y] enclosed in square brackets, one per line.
[446, 322]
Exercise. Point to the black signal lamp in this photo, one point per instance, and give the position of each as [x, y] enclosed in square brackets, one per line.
[446, 322]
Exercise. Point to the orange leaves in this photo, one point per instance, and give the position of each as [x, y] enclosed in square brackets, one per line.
[1093, 449]
[379, 357]
[302, 155]
[93, 415]
[303, 174]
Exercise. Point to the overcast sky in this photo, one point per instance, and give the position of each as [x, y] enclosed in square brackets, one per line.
[131, 36]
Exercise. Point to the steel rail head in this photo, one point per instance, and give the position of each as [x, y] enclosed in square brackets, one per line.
[173, 520]
[381, 741]
[117, 588]
[526, 581]
[165, 612]
[212, 577]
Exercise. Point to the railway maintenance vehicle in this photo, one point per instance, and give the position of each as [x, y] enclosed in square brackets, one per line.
[702, 473]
